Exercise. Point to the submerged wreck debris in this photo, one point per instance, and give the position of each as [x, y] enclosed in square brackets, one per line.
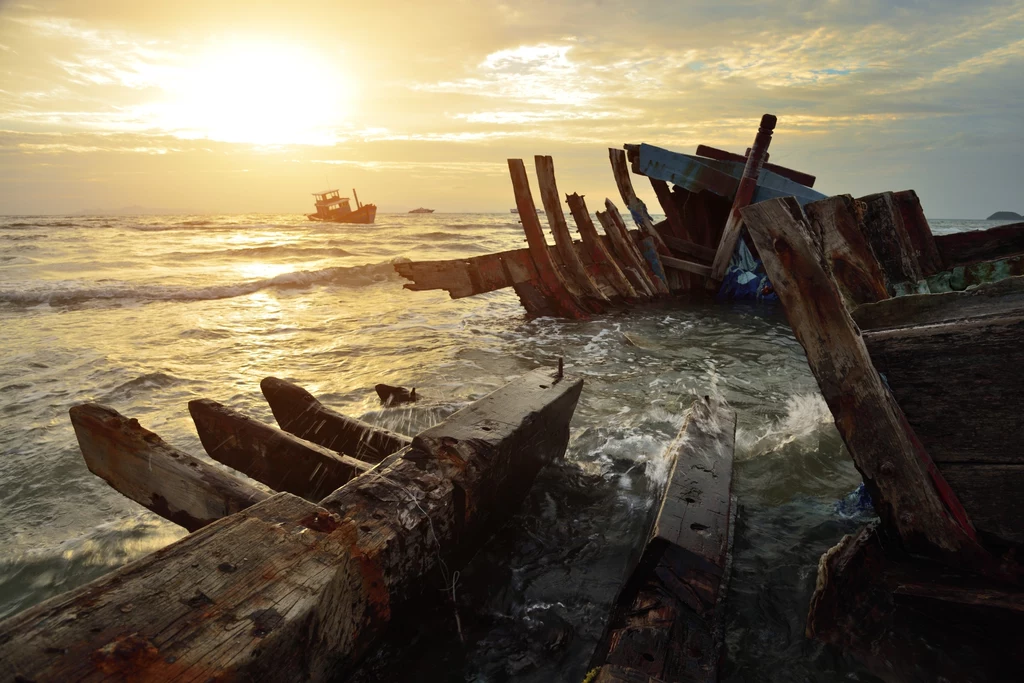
[922, 376]
[280, 586]
[666, 623]
[692, 249]
[390, 395]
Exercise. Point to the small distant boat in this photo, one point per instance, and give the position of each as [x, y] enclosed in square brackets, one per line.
[422, 210]
[517, 211]
[331, 207]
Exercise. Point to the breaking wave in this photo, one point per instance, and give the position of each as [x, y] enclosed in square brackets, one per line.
[806, 415]
[71, 292]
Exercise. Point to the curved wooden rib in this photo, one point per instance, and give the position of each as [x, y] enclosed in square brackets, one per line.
[556, 221]
[613, 271]
[657, 284]
[636, 272]
[564, 295]
[620, 169]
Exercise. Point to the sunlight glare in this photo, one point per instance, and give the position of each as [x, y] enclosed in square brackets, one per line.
[260, 93]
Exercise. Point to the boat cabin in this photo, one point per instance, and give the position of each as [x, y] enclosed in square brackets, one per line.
[329, 204]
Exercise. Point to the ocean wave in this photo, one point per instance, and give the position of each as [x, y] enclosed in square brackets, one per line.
[72, 292]
[280, 250]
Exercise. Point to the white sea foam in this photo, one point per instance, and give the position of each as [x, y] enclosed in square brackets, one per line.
[806, 414]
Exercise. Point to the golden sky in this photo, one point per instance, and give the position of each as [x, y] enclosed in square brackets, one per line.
[250, 106]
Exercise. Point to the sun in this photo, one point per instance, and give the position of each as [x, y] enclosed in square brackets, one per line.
[259, 92]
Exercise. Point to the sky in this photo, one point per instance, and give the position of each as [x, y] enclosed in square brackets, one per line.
[211, 106]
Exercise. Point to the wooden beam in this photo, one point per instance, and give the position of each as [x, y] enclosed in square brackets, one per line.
[722, 155]
[140, 465]
[744, 195]
[635, 268]
[527, 284]
[278, 459]
[836, 226]
[665, 623]
[919, 232]
[459, 277]
[563, 294]
[563, 240]
[687, 266]
[289, 590]
[910, 496]
[633, 204]
[298, 412]
[606, 259]
[972, 246]
[657, 284]
[690, 248]
[882, 225]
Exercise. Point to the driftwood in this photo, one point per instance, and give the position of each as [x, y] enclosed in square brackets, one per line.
[909, 494]
[744, 194]
[299, 413]
[838, 236]
[276, 458]
[920, 233]
[289, 590]
[961, 248]
[908, 620]
[882, 225]
[665, 623]
[140, 465]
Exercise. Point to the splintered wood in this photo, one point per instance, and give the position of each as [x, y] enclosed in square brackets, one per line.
[288, 589]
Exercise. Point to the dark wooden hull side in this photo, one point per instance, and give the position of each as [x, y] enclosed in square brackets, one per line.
[665, 623]
[960, 248]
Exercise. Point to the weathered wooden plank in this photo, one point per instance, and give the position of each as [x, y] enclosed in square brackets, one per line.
[658, 284]
[836, 226]
[141, 466]
[459, 277]
[527, 285]
[563, 294]
[688, 266]
[720, 154]
[993, 299]
[909, 495]
[298, 412]
[672, 213]
[959, 384]
[919, 232]
[882, 225]
[744, 195]
[601, 255]
[560, 231]
[961, 248]
[288, 590]
[276, 458]
[991, 494]
[665, 620]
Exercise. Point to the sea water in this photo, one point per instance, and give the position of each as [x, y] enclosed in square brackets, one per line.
[144, 314]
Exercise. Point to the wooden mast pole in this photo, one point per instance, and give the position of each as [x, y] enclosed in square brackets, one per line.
[744, 194]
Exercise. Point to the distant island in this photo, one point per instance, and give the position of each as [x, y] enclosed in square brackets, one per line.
[1005, 216]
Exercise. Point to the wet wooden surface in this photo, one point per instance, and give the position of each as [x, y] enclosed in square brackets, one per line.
[141, 466]
[994, 299]
[882, 225]
[836, 226]
[960, 248]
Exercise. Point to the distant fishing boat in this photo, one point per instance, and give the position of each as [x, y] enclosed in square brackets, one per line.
[517, 211]
[333, 208]
[422, 210]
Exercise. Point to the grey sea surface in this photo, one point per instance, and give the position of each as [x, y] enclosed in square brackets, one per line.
[146, 313]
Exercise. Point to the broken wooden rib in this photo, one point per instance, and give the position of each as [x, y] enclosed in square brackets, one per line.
[562, 294]
[658, 284]
[665, 622]
[909, 494]
[289, 590]
[276, 458]
[836, 225]
[882, 224]
[563, 240]
[140, 465]
[744, 195]
[599, 253]
[298, 412]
